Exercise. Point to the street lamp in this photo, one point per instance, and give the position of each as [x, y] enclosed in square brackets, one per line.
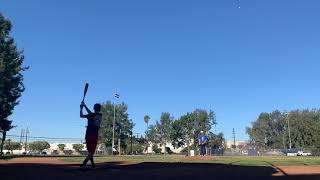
[288, 121]
[116, 95]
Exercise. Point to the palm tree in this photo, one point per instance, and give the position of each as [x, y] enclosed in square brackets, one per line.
[146, 120]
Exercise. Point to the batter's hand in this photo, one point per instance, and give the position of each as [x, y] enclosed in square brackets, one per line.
[82, 104]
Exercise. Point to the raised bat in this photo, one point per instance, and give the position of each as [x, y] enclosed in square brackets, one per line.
[85, 91]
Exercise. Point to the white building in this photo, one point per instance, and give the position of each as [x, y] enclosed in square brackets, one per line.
[239, 143]
[54, 149]
[177, 150]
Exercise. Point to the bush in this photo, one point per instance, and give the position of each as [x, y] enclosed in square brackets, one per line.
[315, 152]
[156, 149]
[55, 152]
[77, 147]
[11, 145]
[168, 150]
[67, 152]
[61, 147]
[39, 146]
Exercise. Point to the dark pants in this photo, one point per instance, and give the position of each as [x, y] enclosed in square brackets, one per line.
[91, 142]
[203, 150]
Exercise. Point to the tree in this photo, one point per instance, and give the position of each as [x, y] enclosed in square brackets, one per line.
[146, 119]
[178, 134]
[152, 134]
[77, 147]
[216, 140]
[183, 131]
[139, 145]
[268, 128]
[271, 129]
[164, 127]
[156, 149]
[186, 129]
[61, 147]
[39, 146]
[5, 126]
[202, 120]
[123, 125]
[305, 128]
[11, 145]
[11, 77]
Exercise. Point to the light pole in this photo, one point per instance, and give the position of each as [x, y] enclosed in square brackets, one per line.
[288, 121]
[116, 95]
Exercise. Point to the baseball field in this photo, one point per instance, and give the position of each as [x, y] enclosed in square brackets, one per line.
[161, 167]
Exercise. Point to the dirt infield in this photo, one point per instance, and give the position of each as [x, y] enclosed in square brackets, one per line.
[53, 168]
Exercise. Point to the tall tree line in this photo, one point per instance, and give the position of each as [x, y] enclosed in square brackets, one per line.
[272, 129]
[184, 131]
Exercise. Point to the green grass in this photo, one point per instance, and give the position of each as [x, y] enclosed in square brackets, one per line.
[7, 157]
[232, 160]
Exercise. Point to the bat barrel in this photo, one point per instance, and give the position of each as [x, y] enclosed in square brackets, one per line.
[85, 91]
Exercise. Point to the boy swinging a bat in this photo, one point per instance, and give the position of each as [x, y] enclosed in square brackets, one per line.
[94, 120]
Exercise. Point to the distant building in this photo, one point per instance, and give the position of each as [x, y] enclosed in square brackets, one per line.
[169, 145]
[239, 144]
[54, 149]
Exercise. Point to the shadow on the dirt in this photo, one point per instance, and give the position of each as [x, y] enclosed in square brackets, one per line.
[7, 157]
[150, 171]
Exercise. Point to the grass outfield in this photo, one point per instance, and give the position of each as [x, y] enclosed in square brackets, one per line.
[232, 160]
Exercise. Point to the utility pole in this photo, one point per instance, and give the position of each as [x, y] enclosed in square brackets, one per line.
[21, 137]
[26, 142]
[131, 142]
[234, 138]
[116, 95]
[284, 146]
[114, 122]
[119, 146]
[119, 143]
[147, 140]
[288, 121]
[188, 145]
[290, 144]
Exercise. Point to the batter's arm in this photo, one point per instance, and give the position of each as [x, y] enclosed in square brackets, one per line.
[81, 112]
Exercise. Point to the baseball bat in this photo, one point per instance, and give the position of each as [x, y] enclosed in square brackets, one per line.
[85, 91]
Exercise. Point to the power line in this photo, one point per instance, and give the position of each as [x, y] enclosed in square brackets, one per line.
[43, 137]
[26, 144]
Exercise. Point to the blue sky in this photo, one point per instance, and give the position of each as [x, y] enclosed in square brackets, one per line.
[165, 56]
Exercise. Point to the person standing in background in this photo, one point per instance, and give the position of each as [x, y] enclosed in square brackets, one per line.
[203, 140]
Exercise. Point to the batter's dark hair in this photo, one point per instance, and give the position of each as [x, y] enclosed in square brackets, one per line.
[97, 107]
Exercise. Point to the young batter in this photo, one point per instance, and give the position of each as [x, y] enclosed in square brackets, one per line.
[94, 120]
